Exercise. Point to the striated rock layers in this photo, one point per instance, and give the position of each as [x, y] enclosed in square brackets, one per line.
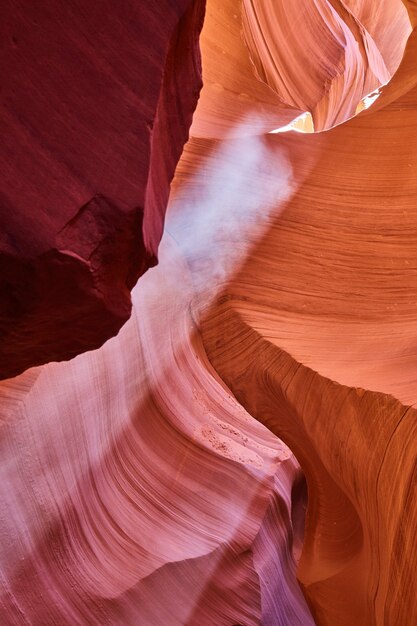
[315, 336]
[149, 481]
[136, 490]
[97, 100]
[269, 62]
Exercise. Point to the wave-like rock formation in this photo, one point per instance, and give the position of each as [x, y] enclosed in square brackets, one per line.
[135, 489]
[152, 481]
[315, 336]
[339, 52]
[97, 100]
[270, 62]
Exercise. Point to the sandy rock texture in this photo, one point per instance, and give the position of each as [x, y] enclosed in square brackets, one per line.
[136, 490]
[97, 100]
[315, 336]
[241, 451]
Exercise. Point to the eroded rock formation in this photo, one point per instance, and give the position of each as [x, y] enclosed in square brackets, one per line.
[141, 492]
[149, 481]
[97, 101]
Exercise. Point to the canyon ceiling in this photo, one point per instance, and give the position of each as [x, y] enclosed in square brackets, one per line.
[208, 313]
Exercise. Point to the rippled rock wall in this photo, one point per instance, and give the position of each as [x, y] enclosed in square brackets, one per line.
[148, 431]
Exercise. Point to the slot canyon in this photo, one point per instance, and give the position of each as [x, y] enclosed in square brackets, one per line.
[208, 290]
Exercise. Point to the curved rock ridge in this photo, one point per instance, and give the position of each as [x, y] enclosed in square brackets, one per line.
[231, 91]
[135, 489]
[334, 281]
[96, 107]
[339, 53]
[357, 450]
[316, 337]
[259, 66]
[149, 481]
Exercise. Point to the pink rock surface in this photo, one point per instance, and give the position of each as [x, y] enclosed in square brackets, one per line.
[135, 490]
[97, 100]
[324, 56]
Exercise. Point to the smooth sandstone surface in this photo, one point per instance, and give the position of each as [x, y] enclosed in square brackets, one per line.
[266, 63]
[315, 336]
[231, 92]
[153, 480]
[325, 57]
[97, 101]
[136, 490]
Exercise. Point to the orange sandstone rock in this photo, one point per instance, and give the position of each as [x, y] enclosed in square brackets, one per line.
[315, 336]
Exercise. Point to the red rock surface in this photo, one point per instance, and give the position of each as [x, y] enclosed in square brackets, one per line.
[315, 336]
[149, 481]
[97, 100]
[136, 490]
[324, 57]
